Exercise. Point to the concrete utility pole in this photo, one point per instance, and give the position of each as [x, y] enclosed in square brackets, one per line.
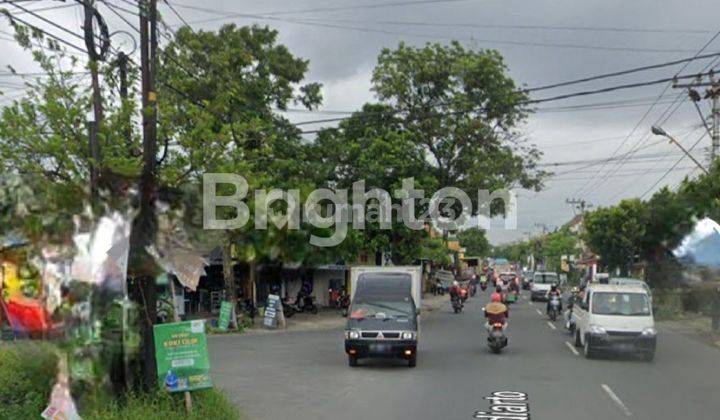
[713, 93]
[579, 205]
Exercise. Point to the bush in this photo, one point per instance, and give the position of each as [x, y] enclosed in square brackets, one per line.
[668, 304]
[27, 373]
[207, 404]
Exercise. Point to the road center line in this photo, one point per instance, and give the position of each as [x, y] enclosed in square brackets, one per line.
[616, 400]
[552, 326]
[538, 311]
[572, 348]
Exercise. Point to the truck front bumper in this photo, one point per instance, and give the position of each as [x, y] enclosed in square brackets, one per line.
[629, 343]
[405, 349]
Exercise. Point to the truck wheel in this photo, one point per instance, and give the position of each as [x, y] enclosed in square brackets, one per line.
[352, 361]
[578, 343]
[589, 352]
[412, 362]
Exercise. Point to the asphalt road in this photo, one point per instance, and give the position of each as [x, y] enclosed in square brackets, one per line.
[304, 375]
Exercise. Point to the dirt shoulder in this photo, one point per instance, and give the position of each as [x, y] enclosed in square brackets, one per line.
[695, 326]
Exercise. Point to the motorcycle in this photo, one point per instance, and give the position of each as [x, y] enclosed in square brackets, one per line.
[554, 307]
[496, 338]
[457, 305]
[344, 304]
[511, 297]
[473, 290]
[307, 304]
[288, 308]
[483, 285]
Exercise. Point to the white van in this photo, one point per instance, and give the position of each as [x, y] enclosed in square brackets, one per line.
[615, 318]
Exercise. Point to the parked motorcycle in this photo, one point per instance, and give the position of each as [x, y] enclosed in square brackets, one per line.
[288, 308]
[496, 338]
[344, 304]
[307, 304]
[554, 310]
[457, 305]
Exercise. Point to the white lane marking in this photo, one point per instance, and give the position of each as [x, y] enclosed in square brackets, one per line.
[552, 326]
[616, 400]
[539, 312]
[531, 303]
[572, 348]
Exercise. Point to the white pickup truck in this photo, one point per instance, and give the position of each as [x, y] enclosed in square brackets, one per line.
[615, 318]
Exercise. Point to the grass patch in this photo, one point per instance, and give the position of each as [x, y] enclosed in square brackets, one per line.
[207, 404]
[27, 373]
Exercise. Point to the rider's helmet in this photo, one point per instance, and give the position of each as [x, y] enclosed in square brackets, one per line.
[496, 297]
[455, 283]
[553, 288]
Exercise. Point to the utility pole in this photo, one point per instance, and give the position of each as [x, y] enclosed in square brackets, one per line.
[713, 93]
[144, 229]
[122, 62]
[94, 126]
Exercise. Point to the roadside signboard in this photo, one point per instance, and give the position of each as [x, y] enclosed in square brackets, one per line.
[182, 356]
[225, 314]
[271, 311]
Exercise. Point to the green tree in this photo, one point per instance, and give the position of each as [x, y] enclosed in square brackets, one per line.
[462, 110]
[474, 241]
[373, 147]
[219, 93]
[615, 233]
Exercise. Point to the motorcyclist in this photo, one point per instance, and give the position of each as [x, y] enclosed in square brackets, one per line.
[496, 311]
[455, 290]
[554, 291]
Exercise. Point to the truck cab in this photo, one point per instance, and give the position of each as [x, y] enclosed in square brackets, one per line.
[541, 284]
[383, 319]
[615, 318]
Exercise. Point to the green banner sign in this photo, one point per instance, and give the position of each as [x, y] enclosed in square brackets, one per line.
[225, 313]
[182, 356]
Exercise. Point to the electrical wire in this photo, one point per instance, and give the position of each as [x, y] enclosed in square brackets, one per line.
[271, 17]
[685, 65]
[673, 167]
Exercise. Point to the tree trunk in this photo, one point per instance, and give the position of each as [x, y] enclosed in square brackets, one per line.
[229, 277]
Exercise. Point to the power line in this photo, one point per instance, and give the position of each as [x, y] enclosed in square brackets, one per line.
[55, 37]
[625, 72]
[522, 27]
[685, 65]
[270, 17]
[527, 102]
[673, 167]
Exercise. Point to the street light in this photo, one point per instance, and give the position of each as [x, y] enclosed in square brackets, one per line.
[658, 131]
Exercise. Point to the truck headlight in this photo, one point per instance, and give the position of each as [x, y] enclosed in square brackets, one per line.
[407, 335]
[649, 332]
[597, 330]
[353, 335]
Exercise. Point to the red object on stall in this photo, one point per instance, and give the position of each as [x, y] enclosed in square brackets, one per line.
[27, 316]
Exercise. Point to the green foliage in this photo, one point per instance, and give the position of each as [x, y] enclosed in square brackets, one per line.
[615, 233]
[27, 372]
[474, 241]
[557, 244]
[207, 404]
[461, 109]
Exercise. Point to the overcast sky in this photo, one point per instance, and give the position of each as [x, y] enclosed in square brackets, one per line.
[543, 41]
